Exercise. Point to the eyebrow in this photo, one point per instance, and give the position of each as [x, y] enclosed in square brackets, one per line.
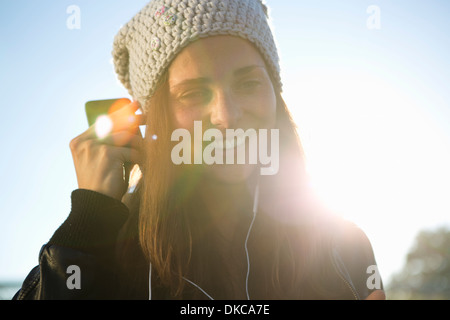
[245, 70]
[202, 80]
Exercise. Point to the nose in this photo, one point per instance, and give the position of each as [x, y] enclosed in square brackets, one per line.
[225, 111]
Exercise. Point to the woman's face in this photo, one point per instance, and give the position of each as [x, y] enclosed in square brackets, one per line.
[223, 82]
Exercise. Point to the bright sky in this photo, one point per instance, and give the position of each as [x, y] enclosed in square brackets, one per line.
[372, 106]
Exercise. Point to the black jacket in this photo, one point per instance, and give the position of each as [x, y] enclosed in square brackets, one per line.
[88, 237]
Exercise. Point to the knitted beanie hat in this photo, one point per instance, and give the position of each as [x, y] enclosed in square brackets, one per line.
[144, 48]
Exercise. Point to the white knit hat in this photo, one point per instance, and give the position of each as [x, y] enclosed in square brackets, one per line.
[148, 43]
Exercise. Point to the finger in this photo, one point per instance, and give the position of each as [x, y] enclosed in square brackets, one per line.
[122, 109]
[86, 135]
[121, 104]
[131, 122]
[127, 120]
[123, 138]
[127, 155]
[141, 119]
[122, 119]
[136, 142]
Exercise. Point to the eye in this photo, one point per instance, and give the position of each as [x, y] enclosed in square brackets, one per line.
[195, 96]
[249, 85]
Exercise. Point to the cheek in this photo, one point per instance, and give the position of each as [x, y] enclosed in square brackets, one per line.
[264, 108]
[271, 110]
[185, 117]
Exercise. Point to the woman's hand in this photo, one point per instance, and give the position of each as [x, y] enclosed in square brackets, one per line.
[99, 163]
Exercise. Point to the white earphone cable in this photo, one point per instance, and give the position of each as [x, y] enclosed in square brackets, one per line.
[198, 287]
[255, 210]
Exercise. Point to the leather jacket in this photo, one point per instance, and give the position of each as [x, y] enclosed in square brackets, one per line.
[87, 238]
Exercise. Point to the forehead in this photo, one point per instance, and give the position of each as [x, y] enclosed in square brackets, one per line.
[214, 57]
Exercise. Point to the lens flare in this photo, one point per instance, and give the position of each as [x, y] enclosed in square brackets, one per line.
[103, 126]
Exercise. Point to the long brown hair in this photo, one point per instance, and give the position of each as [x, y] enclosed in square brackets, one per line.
[175, 235]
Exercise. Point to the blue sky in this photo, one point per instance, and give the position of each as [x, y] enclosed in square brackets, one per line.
[372, 106]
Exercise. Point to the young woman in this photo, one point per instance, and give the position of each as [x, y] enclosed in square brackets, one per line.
[194, 229]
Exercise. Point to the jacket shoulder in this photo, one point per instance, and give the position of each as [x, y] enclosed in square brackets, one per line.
[353, 255]
[30, 286]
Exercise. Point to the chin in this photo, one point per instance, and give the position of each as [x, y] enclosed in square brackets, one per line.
[230, 173]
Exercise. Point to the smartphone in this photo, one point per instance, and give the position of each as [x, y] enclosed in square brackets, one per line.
[97, 108]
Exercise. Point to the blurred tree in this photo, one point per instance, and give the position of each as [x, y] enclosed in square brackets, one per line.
[426, 273]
